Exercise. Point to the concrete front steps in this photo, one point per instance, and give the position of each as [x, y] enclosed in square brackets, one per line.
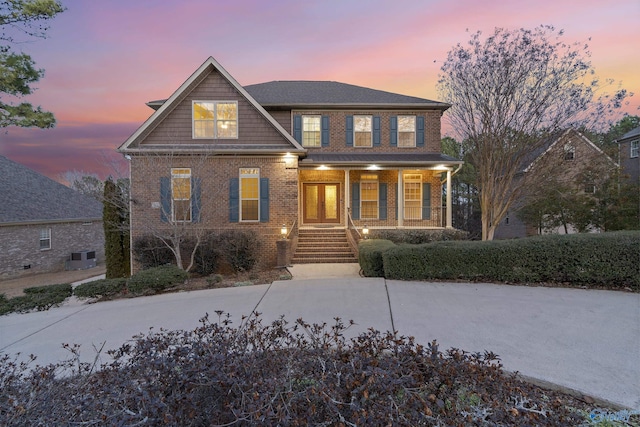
[318, 245]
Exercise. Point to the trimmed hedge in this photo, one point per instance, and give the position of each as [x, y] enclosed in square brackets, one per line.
[370, 256]
[607, 259]
[418, 236]
[101, 288]
[36, 298]
[155, 279]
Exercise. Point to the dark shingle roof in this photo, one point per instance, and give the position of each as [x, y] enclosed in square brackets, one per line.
[387, 159]
[323, 93]
[633, 133]
[27, 196]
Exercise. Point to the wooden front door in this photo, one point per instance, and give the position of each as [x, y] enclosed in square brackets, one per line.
[321, 203]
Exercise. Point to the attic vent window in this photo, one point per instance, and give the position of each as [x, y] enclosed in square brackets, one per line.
[569, 152]
[215, 119]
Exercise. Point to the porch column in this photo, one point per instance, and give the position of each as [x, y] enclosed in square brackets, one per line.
[400, 207]
[347, 197]
[449, 213]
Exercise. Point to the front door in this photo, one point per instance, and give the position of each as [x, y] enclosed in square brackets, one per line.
[321, 203]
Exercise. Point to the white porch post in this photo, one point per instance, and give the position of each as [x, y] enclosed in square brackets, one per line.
[449, 197]
[400, 207]
[347, 197]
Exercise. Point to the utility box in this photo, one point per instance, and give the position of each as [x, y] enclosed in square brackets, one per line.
[81, 260]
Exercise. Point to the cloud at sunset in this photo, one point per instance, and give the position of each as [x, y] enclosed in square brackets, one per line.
[104, 60]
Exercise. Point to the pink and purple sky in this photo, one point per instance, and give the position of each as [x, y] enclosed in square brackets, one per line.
[104, 59]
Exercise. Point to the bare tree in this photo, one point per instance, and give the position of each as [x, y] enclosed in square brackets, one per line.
[181, 227]
[508, 92]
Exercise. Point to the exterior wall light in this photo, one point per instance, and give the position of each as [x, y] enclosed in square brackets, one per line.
[283, 231]
[365, 231]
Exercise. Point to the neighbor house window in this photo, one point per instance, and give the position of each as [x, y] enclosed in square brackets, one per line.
[589, 188]
[634, 149]
[369, 197]
[311, 131]
[406, 131]
[362, 131]
[215, 119]
[45, 239]
[412, 196]
[181, 194]
[249, 194]
[569, 152]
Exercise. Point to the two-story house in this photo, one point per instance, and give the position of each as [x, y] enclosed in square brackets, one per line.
[303, 154]
[629, 158]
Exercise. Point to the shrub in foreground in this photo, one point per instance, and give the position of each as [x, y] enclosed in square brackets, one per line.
[418, 236]
[156, 279]
[280, 374]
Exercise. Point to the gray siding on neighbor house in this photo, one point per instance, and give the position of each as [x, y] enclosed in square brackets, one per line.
[20, 246]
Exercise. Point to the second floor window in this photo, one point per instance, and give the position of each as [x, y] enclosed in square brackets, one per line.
[181, 194]
[634, 149]
[311, 131]
[362, 131]
[406, 131]
[215, 119]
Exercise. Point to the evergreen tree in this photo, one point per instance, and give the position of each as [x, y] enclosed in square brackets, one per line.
[112, 220]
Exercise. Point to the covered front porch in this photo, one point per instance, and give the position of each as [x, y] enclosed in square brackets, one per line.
[396, 191]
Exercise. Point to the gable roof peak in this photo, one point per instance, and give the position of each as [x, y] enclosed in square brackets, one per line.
[164, 107]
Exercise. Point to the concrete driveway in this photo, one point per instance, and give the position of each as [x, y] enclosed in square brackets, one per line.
[587, 340]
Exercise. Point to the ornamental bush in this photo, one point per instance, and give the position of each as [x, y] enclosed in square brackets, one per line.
[279, 374]
[418, 236]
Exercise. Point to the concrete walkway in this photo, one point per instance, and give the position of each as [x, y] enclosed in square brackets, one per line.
[587, 340]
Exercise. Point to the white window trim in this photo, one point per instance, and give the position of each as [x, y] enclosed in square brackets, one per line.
[46, 238]
[315, 116]
[173, 209]
[248, 173]
[215, 119]
[370, 181]
[413, 179]
[370, 131]
[633, 155]
[569, 149]
[414, 133]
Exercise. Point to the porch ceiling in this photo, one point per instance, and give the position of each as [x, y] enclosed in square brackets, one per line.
[380, 159]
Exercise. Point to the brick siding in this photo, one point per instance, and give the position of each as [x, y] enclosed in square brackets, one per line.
[21, 246]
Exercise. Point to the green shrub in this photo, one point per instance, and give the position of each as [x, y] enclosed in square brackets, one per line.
[150, 252]
[606, 259]
[240, 249]
[37, 298]
[370, 256]
[101, 288]
[418, 236]
[208, 255]
[155, 279]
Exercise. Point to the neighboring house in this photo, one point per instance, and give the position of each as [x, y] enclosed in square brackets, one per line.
[629, 148]
[303, 154]
[43, 222]
[567, 162]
